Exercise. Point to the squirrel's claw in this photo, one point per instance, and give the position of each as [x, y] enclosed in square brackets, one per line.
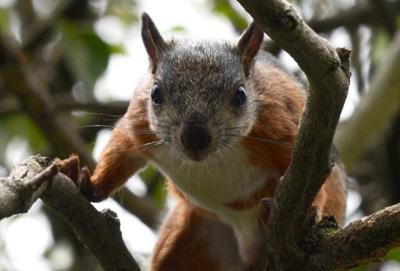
[86, 187]
[69, 167]
[80, 176]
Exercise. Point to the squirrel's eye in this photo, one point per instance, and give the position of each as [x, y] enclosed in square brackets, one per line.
[240, 96]
[156, 95]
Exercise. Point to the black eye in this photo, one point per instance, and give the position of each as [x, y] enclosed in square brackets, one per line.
[240, 96]
[156, 95]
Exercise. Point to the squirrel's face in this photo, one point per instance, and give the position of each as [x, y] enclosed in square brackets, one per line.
[201, 99]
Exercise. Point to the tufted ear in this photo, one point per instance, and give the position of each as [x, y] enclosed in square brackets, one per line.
[153, 41]
[249, 44]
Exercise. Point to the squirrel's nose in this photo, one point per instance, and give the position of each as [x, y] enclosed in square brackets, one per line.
[195, 137]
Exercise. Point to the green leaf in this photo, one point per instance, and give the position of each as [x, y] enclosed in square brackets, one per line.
[178, 29]
[126, 10]
[159, 193]
[22, 126]
[359, 268]
[393, 254]
[380, 43]
[4, 21]
[86, 53]
[155, 183]
[224, 8]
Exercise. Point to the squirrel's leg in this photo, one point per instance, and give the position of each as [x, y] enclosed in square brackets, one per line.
[331, 199]
[191, 239]
[335, 190]
[119, 160]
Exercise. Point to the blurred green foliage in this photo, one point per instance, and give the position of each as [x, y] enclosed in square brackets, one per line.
[87, 54]
[225, 8]
[124, 10]
[87, 57]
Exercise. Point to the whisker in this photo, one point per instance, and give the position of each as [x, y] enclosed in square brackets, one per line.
[100, 114]
[235, 128]
[150, 144]
[136, 131]
[261, 139]
[94, 126]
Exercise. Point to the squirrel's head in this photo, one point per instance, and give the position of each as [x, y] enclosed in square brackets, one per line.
[202, 98]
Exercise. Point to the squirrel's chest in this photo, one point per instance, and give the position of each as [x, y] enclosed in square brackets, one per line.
[227, 186]
[218, 183]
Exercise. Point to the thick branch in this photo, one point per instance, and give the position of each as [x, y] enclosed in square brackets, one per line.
[363, 241]
[37, 177]
[328, 77]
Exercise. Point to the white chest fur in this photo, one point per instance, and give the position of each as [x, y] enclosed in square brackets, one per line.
[215, 182]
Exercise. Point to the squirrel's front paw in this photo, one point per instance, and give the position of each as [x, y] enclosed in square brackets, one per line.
[69, 167]
[86, 187]
[80, 176]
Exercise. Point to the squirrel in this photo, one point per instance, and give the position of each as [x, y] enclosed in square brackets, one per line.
[220, 120]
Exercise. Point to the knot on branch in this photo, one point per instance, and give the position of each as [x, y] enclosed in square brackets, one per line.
[111, 217]
[288, 20]
[317, 232]
[26, 183]
[344, 56]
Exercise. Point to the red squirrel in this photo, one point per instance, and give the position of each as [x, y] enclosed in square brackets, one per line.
[219, 119]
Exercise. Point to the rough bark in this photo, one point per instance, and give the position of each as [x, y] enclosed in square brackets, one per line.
[328, 75]
[99, 231]
[363, 241]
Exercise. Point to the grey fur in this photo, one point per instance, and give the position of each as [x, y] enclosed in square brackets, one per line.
[198, 80]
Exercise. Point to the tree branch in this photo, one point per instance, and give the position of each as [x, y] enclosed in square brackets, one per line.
[363, 241]
[38, 177]
[66, 103]
[36, 32]
[39, 105]
[352, 17]
[377, 108]
[328, 75]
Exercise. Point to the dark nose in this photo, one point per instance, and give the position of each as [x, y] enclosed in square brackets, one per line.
[195, 137]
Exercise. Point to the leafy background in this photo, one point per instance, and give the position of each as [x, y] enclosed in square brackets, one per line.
[85, 57]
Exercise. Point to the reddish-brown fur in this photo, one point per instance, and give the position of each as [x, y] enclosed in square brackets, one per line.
[124, 154]
[281, 106]
[189, 233]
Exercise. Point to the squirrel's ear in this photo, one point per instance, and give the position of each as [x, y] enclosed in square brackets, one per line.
[249, 44]
[152, 40]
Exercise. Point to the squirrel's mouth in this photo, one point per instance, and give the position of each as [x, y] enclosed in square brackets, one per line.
[197, 156]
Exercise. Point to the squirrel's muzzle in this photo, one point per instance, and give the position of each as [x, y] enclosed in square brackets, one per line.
[195, 137]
